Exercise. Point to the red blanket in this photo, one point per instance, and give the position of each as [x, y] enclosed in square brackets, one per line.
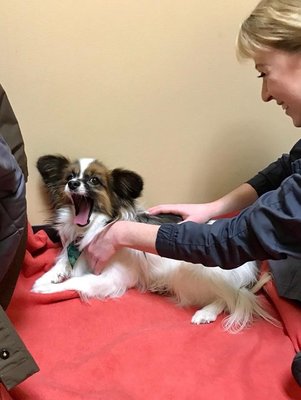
[142, 346]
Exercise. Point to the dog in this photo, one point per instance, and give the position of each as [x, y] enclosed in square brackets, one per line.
[85, 197]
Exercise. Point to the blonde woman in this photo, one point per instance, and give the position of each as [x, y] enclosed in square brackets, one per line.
[269, 225]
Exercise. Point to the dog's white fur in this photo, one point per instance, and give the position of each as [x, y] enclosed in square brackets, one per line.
[214, 290]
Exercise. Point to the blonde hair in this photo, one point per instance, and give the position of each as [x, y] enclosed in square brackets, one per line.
[272, 24]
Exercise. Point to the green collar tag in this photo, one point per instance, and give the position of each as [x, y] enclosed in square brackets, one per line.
[73, 253]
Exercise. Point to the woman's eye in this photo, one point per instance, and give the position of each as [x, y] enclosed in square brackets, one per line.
[261, 75]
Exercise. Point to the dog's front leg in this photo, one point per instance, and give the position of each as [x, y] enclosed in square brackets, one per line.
[58, 273]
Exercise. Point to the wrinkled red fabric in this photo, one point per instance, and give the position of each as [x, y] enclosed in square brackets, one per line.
[4, 394]
[142, 346]
[289, 311]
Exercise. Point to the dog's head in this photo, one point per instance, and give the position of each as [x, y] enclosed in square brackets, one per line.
[88, 186]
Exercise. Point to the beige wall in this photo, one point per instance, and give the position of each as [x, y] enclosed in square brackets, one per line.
[151, 85]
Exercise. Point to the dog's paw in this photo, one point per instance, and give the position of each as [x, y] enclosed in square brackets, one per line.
[55, 275]
[45, 288]
[204, 317]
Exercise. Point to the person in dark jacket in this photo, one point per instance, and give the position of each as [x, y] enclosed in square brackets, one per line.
[16, 363]
[269, 223]
[268, 226]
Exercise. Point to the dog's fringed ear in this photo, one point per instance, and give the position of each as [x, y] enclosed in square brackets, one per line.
[126, 184]
[51, 168]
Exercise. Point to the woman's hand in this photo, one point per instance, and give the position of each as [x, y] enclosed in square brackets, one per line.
[236, 200]
[117, 235]
[199, 213]
[102, 248]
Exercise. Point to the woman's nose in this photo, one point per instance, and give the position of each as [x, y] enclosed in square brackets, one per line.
[265, 94]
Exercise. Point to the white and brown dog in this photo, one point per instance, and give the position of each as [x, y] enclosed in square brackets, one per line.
[86, 196]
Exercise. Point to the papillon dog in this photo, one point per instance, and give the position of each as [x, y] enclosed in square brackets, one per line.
[86, 196]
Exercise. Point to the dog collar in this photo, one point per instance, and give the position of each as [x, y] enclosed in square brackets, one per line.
[73, 253]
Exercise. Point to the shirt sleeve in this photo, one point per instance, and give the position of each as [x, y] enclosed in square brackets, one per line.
[271, 177]
[269, 229]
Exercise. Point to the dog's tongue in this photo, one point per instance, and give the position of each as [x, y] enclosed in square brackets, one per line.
[82, 211]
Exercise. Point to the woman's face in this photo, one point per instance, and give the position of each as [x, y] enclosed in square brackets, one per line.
[281, 80]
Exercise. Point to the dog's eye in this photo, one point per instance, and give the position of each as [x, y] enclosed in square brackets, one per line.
[94, 181]
[69, 177]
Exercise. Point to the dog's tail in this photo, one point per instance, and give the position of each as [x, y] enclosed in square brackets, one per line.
[247, 307]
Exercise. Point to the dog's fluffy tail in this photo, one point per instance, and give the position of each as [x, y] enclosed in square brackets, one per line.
[247, 307]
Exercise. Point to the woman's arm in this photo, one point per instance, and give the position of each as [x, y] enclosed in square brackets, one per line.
[236, 200]
[269, 229]
[130, 234]
[270, 178]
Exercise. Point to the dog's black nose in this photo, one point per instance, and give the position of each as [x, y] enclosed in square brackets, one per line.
[73, 185]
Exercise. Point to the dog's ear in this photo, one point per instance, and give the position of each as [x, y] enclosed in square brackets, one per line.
[126, 184]
[51, 167]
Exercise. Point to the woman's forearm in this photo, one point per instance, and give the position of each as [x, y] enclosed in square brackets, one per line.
[135, 235]
[143, 236]
[238, 199]
[120, 234]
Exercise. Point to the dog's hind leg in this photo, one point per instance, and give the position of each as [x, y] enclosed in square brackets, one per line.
[208, 313]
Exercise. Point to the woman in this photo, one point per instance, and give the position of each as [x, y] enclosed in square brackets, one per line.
[269, 225]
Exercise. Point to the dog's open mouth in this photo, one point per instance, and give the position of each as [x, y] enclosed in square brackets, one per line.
[83, 209]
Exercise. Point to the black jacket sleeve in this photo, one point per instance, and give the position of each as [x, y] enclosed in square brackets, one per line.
[269, 229]
[271, 177]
